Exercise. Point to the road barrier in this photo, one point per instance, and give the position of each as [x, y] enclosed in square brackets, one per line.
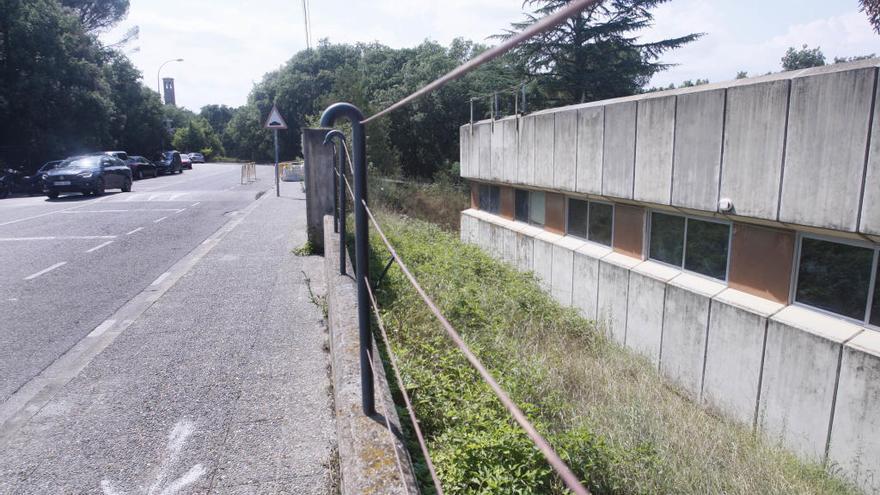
[248, 172]
[291, 171]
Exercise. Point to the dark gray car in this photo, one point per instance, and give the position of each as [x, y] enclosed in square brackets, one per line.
[92, 174]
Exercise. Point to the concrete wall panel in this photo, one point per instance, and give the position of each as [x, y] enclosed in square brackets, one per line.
[542, 263]
[590, 132]
[510, 152]
[655, 131]
[800, 369]
[565, 150]
[612, 300]
[484, 236]
[754, 139]
[544, 140]
[619, 150]
[496, 168]
[484, 145]
[870, 222]
[525, 248]
[508, 245]
[644, 317]
[825, 151]
[685, 322]
[585, 285]
[697, 164]
[526, 142]
[464, 154]
[563, 270]
[733, 357]
[855, 443]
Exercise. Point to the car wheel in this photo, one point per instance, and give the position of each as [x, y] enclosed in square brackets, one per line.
[126, 185]
[99, 188]
[140, 174]
[4, 192]
[52, 194]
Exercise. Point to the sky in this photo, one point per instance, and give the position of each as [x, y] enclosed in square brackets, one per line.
[228, 45]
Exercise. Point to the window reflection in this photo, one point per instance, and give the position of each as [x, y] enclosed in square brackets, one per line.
[706, 248]
[667, 238]
[601, 217]
[577, 218]
[834, 277]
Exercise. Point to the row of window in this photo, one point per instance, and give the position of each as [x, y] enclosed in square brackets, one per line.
[839, 277]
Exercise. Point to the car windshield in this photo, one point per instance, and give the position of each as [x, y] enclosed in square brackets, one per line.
[81, 162]
[48, 166]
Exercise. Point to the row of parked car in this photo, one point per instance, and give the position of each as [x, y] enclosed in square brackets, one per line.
[95, 173]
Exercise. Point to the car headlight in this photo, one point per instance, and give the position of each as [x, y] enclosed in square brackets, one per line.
[85, 175]
[45, 176]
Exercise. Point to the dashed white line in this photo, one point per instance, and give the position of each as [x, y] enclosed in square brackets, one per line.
[161, 278]
[159, 219]
[197, 203]
[45, 270]
[179, 211]
[134, 231]
[99, 246]
[119, 211]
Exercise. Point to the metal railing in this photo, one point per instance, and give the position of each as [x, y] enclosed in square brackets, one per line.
[363, 216]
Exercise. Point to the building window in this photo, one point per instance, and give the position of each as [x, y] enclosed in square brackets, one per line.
[693, 244]
[490, 198]
[590, 220]
[536, 207]
[839, 278]
[521, 205]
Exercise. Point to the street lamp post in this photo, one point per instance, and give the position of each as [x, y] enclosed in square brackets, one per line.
[158, 72]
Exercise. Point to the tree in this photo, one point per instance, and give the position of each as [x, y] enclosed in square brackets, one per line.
[137, 121]
[842, 60]
[595, 54]
[198, 135]
[742, 74]
[871, 8]
[218, 116]
[95, 15]
[803, 58]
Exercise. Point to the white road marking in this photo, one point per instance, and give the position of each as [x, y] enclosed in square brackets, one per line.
[159, 219]
[161, 278]
[135, 231]
[57, 238]
[46, 270]
[103, 327]
[99, 246]
[197, 203]
[180, 210]
[176, 441]
[120, 211]
[64, 210]
[154, 196]
[175, 196]
[12, 299]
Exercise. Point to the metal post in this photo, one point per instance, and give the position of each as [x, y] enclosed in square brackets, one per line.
[361, 240]
[277, 181]
[472, 113]
[525, 107]
[340, 218]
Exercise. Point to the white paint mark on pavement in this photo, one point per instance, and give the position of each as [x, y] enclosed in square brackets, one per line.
[176, 441]
[119, 211]
[179, 211]
[57, 238]
[45, 271]
[197, 203]
[134, 231]
[161, 278]
[159, 219]
[99, 246]
[103, 327]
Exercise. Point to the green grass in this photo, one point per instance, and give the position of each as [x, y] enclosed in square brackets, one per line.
[440, 202]
[607, 412]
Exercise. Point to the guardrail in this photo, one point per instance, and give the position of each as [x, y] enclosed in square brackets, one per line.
[363, 217]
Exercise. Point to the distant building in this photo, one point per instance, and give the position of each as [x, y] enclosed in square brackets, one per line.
[168, 84]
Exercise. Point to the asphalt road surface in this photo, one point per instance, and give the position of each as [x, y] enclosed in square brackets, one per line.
[163, 341]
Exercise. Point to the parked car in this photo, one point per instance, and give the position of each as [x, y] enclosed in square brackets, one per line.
[168, 162]
[141, 167]
[185, 161]
[33, 183]
[89, 174]
[197, 157]
[118, 154]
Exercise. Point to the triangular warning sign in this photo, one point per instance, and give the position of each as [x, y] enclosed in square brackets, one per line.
[275, 121]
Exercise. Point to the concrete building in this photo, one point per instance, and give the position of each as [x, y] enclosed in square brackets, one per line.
[168, 90]
[727, 232]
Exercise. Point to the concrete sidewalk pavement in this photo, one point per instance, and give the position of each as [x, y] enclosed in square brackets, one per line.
[220, 386]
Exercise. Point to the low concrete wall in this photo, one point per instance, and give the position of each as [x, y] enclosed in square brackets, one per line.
[808, 381]
[368, 452]
[319, 183]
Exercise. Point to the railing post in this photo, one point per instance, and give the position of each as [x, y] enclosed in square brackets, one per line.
[361, 241]
[340, 193]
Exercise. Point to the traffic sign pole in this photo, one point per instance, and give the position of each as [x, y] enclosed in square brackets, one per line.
[277, 180]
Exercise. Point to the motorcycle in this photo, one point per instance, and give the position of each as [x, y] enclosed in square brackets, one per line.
[4, 186]
[15, 181]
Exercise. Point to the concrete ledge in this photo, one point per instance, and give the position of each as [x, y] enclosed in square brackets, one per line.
[367, 458]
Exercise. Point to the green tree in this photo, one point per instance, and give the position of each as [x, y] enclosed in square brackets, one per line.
[218, 116]
[137, 121]
[595, 54]
[95, 15]
[871, 8]
[197, 135]
[803, 58]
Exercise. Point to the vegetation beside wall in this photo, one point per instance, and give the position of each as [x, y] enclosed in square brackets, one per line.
[439, 202]
[607, 413]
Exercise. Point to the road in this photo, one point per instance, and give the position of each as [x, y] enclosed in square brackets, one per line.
[164, 341]
[69, 264]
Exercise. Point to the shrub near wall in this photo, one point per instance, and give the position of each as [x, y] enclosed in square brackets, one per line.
[606, 412]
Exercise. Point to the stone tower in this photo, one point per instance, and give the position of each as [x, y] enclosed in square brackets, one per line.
[168, 85]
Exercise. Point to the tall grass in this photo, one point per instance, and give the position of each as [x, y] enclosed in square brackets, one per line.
[439, 202]
[608, 413]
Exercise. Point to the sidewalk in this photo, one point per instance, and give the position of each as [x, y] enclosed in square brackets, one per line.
[221, 386]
